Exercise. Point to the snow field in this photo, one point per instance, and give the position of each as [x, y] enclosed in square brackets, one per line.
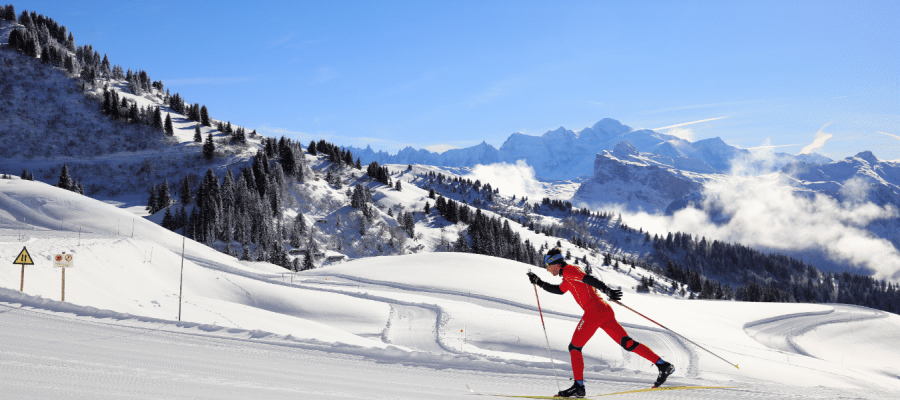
[392, 323]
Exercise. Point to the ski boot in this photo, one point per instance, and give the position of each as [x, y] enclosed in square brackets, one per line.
[575, 391]
[665, 369]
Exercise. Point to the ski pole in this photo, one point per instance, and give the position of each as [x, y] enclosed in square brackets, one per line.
[676, 334]
[547, 338]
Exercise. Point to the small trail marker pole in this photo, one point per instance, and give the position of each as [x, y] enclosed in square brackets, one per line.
[24, 259]
[63, 261]
[181, 282]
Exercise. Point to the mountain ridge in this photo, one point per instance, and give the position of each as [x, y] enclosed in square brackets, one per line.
[562, 154]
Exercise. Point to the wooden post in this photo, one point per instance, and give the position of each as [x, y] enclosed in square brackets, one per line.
[22, 285]
[181, 282]
[64, 284]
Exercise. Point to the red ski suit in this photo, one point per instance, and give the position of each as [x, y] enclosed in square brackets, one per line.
[597, 314]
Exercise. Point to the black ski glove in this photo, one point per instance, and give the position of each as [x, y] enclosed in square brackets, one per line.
[614, 294]
[534, 279]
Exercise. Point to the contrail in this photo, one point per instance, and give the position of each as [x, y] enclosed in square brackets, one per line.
[689, 123]
[885, 133]
[773, 146]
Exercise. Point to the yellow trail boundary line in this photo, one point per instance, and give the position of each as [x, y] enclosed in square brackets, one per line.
[667, 388]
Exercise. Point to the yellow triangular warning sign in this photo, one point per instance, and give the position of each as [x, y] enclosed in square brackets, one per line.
[24, 258]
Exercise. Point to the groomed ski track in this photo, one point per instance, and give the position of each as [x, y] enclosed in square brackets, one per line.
[122, 358]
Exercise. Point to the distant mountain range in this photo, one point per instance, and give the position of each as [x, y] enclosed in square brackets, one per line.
[628, 179]
[565, 154]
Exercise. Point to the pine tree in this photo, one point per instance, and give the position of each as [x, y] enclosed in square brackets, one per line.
[308, 261]
[168, 222]
[65, 181]
[209, 148]
[204, 116]
[152, 204]
[164, 198]
[198, 137]
[298, 230]
[312, 148]
[184, 192]
[168, 125]
[157, 119]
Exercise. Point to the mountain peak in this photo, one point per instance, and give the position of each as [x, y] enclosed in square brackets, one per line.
[612, 126]
[868, 157]
[625, 148]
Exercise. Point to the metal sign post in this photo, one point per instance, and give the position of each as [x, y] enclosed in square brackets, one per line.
[24, 259]
[63, 261]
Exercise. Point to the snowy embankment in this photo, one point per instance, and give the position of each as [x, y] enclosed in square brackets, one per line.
[416, 326]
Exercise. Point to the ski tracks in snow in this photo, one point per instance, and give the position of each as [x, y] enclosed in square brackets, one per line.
[779, 333]
[408, 324]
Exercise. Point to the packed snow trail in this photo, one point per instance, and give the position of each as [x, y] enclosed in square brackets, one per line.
[780, 333]
[45, 354]
[413, 327]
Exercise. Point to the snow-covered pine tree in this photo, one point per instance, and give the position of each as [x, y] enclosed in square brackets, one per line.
[308, 261]
[409, 224]
[298, 230]
[198, 137]
[226, 229]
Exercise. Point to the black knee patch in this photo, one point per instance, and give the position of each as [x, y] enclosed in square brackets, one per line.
[572, 347]
[629, 344]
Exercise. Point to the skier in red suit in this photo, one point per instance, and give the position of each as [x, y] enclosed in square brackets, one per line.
[597, 314]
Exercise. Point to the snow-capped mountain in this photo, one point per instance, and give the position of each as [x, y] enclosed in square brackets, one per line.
[640, 181]
[565, 154]
[855, 197]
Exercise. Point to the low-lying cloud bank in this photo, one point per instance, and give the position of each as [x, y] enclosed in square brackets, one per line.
[768, 212]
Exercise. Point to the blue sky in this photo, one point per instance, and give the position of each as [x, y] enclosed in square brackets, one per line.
[427, 73]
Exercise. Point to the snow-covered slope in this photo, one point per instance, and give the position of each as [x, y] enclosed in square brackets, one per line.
[440, 320]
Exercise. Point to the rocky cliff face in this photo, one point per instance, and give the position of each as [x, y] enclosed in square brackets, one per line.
[637, 181]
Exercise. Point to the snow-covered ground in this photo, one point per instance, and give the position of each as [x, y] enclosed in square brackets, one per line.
[406, 327]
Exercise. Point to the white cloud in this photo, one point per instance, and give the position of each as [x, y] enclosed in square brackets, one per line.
[891, 135]
[682, 133]
[689, 123]
[768, 212]
[518, 178]
[818, 142]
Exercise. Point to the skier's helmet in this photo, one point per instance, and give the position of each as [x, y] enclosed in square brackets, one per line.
[554, 256]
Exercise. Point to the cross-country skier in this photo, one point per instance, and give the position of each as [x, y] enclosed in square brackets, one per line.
[597, 314]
